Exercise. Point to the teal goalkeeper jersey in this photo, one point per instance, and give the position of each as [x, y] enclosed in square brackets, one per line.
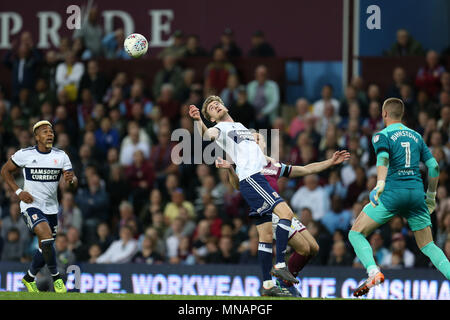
[406, 149]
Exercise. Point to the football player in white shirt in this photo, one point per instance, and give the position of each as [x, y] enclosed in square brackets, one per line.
[42, 167]
[238, 142]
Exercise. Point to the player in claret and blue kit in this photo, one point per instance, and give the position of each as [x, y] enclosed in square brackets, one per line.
[399, 191]
[42, 167]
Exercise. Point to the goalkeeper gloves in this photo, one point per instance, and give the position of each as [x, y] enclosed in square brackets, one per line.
[430, 201]
[375, 193]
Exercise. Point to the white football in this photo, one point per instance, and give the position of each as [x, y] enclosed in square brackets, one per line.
[136, 45]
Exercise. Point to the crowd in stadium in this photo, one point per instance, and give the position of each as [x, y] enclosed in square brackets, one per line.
[133, 204]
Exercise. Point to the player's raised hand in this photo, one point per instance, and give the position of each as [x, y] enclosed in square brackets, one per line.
[376, 192]
[68, 176]
[26, 197]
[194, 112]
[223, 164]
[340, 156]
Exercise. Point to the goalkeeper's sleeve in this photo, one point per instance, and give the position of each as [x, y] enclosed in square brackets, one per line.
[433, 167]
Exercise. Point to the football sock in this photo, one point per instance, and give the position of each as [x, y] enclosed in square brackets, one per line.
[282, 234]
[37, 263]
[438, 258]
[49, 254]
[297, 262]
[363, 250]
[265, 260]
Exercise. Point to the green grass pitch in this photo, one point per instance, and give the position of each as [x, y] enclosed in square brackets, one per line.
[128, 296]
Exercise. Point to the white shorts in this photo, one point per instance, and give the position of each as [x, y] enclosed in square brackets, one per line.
[296, 226]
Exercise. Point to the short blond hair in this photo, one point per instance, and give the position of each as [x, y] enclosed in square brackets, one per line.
[41, 123]
[207, 102]
[394, 107]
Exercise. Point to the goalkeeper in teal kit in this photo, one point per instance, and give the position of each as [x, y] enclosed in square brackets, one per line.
[399, 191]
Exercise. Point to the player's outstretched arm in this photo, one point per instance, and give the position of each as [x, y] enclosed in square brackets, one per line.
[211, 133]
[232, 176]
[316, 167]
[7, 174]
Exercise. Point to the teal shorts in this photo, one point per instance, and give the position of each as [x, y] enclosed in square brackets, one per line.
[407, 203]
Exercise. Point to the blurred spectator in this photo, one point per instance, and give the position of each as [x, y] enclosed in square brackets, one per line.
[260, 47]
[113, 45]
[230, 93]
[298, 122]
[264, 95]
[193, 48]
[15, 221]
[424, 103]
[93, 201]
[23, 63]
[106, 137]
[138, 105]
[226, 253]
[337, 217]
[443, 124]
[399, 256]
[445, 82]
[75, 245]
[250, 256]
[374, 122]
[399, 79]
[428, 77]
[42, 93]
[153, 206]
[69, 214]
[330, 117]
[173, 240]
[167, 102]
[122, 250]
[405, 45]
[94, 80]
[135, 140]
[91, 34]
[173, 208]
[103, 237]
[94, 252]
[177, 49]
[199, 240]
[356, 187]
[339, 255]
[242, 109]
[68, 76]
[184, 252]
[349, 98]
[47, 71]
[160, 156]
[228, 44]
[327, 98]
[215, 222]
[217, 72]
[13, 248]
[147, 255]
[170, 73]
[183, 93]
[141, 177]
[311, 196]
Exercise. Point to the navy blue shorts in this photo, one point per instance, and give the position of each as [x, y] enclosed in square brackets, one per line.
[34, 216]
[259, 195]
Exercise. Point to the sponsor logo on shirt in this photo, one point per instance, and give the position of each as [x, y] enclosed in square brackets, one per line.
[43, 174]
